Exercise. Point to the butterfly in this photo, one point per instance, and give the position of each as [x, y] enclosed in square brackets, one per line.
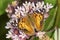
[31, 22]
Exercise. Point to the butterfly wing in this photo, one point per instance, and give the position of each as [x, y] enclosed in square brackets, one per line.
[37, 19]
[25, 24]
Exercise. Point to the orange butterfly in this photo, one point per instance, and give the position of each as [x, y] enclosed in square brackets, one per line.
[31, 22]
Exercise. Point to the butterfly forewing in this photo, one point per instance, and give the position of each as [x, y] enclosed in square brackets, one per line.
[37, 18]
[26, 24]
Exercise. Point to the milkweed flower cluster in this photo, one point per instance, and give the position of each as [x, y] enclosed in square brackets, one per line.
[14, 33]
[28, 7]
[16, 12]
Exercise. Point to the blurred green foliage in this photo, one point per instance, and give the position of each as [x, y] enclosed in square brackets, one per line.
[50, 22]
[3, 18]
[51, 1]
[3, 31]
[58, 14]
[3, 5]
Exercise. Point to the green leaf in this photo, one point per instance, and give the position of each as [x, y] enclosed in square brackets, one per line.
[50, 34]
[49, 23]
[3, 5]
[3, 31]
[50, 1]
